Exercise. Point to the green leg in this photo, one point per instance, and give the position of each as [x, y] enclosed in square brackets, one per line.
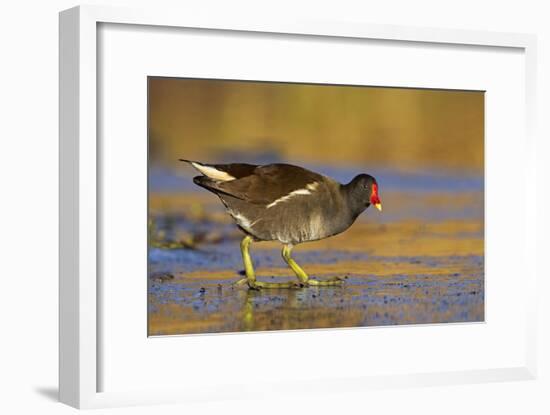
[301, 274]
[250, 279]
[247, 261]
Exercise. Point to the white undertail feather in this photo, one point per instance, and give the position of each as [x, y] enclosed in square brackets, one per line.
[212, 172]
[307, 191]
[243, 221]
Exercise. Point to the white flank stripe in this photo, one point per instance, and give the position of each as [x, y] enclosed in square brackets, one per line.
[212, 172]
[309, 188]
[313, 186]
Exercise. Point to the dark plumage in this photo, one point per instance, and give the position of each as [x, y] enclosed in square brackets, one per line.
[287, 203]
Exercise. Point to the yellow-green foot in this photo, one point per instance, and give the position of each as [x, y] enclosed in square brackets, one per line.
[327, 283]
[258, 285]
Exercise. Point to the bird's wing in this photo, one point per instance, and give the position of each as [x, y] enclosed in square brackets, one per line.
[271, 183]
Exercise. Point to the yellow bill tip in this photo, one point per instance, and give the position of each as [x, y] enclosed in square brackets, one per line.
[378, 206]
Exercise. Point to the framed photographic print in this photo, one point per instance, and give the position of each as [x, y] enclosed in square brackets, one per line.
[420, 260]
[288, 191]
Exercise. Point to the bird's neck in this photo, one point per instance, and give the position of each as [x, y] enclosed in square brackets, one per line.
[355, 205]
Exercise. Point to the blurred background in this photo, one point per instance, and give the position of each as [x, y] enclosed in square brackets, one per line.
[421, 260]
[396, 128]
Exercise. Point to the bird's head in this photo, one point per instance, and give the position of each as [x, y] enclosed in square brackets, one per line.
[363, 191]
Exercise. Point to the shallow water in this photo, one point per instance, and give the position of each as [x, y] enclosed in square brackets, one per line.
[424, 290]
[420, 261]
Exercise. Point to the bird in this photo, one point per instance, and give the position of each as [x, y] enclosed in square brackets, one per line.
[285, 203]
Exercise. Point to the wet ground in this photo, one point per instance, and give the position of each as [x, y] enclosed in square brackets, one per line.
[419, 261]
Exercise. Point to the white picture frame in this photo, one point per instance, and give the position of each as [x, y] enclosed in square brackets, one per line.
[79, 164]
